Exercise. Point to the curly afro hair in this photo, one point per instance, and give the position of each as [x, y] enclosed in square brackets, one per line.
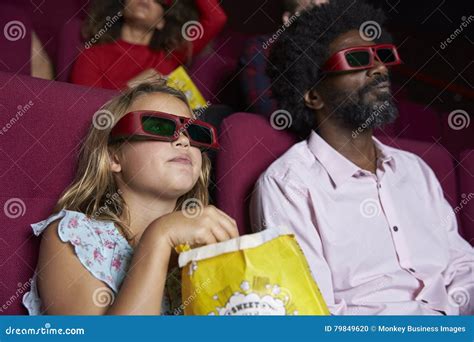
[295, 59]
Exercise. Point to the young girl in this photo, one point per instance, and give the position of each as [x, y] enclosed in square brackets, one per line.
[108, 246]
[133, 40]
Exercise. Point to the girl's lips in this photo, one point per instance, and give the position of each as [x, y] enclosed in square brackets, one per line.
[182, 160]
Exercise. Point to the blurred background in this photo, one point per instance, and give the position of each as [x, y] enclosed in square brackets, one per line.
[438, 76]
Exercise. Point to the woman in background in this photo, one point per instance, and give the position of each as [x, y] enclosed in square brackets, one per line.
[136, 40]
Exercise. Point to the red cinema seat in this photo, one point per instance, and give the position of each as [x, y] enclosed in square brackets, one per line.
[15, 40]
[42, 127]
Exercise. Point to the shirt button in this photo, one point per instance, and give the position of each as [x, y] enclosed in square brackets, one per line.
[411, 270]
[424, 301]
[379, 185]
[395, 228]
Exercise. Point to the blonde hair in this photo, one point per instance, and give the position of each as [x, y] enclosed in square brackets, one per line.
[94, 191]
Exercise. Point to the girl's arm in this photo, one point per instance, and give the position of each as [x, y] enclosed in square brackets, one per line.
[212, 18]
[41, 65]
[142, 289]
[66, 287]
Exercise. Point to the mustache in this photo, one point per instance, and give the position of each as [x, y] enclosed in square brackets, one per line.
[369, 87]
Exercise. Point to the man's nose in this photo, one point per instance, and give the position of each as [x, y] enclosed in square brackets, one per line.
[378, 69]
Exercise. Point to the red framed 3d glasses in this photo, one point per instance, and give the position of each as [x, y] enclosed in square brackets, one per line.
[165, 127]
[362, 57]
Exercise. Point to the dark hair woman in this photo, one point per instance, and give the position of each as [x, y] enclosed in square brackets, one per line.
[132, 40]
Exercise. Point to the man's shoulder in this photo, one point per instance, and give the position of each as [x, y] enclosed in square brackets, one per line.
[294, 163]
[407, 159]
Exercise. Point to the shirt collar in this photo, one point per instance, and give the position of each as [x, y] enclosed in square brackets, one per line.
[339, 167]
[385, 154]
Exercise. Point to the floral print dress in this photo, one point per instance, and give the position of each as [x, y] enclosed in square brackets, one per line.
[101, 249]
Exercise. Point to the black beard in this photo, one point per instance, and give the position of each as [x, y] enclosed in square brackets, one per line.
[353, 112]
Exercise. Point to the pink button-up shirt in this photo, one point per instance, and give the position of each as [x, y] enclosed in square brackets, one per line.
[377, 244]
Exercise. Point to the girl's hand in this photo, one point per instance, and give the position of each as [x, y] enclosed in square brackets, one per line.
[209, 226]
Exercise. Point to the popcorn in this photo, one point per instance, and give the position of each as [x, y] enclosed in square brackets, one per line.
[259, 274]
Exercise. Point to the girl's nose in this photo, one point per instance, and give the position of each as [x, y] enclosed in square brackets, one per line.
[182, 141]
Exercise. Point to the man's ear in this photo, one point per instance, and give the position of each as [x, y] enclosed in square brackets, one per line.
[161, 24]
[114, 161]
[313, 100]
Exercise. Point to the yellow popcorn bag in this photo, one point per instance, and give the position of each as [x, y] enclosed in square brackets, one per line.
[259, 274]
[179, 79]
